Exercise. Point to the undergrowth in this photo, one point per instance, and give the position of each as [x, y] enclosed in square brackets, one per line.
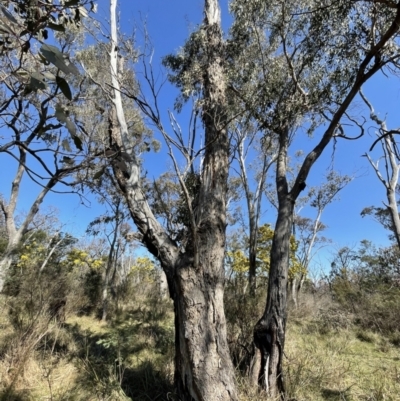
[327, 356]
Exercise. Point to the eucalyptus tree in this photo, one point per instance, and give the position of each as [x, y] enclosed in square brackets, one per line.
[41, 134]
[111, 227]
[245, 143]
[307, 230]
[194, 266]
[319, 54]
[388, 175]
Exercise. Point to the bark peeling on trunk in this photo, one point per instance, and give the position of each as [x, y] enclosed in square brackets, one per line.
[269, 332]
[195, 273]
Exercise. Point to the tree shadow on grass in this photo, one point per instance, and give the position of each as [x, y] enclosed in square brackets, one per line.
[333, 395]
[147, 383]
[104, 361]
[14, 395]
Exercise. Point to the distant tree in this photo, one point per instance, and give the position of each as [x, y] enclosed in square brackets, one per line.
[388, 176]
[240, 263]
[245, 141]
[310, 68]
[114, 228]
[44, 139]
[366, 282]
[307, 230]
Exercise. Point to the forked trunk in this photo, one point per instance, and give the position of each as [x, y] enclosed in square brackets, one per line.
[195, 269]
[269, 332]
[203, 368]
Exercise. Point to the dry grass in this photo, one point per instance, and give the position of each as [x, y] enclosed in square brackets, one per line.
[327, 359]
[86, 360]
[340, 366]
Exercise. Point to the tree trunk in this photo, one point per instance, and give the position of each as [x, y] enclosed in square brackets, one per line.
[109, 275]
[253, 231]
[203, 367]
[106, 290]
[269, 332]
[15, 235]
[394, 212]
[14, 240]
[5, 264]
[295, 294]
[195, 269]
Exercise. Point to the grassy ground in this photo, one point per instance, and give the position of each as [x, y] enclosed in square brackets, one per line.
[344, 364]
[131, 358]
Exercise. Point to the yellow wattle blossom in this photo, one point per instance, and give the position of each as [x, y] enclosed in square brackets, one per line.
[240, 262]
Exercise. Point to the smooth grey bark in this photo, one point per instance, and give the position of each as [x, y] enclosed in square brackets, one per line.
[253, 201]
[320, 198]
[15, 234]
[195, 272]
[269, 332]
[52, 250]
[109, 274]
[392, 168]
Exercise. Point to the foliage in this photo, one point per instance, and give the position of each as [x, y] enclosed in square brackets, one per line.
[36, 18]
[239, 262]
[142, 270]
[366, 283]
[132, 356]
[95, 113]
[25, 20]
[169, 203]
[382, 216]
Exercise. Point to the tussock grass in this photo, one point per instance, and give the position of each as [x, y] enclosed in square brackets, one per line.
[83, 359]
[340, 365]
[328, 358]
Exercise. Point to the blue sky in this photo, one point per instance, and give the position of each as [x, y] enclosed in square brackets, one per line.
[168, 24]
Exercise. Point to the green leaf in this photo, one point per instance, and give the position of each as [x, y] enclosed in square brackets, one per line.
[22, 75]
[110, 153]
[99, 174]
[8, 15]
[5, 28]
[71, 3]
[83, 12]
[56, 27]
[63, 85]
[77, 142]
[65, 145]
[63, 118]
[37, 81]
[67, 160]
[71, 128]
[60, 114]
[43, 59]
[55, 57]
[49, 76]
